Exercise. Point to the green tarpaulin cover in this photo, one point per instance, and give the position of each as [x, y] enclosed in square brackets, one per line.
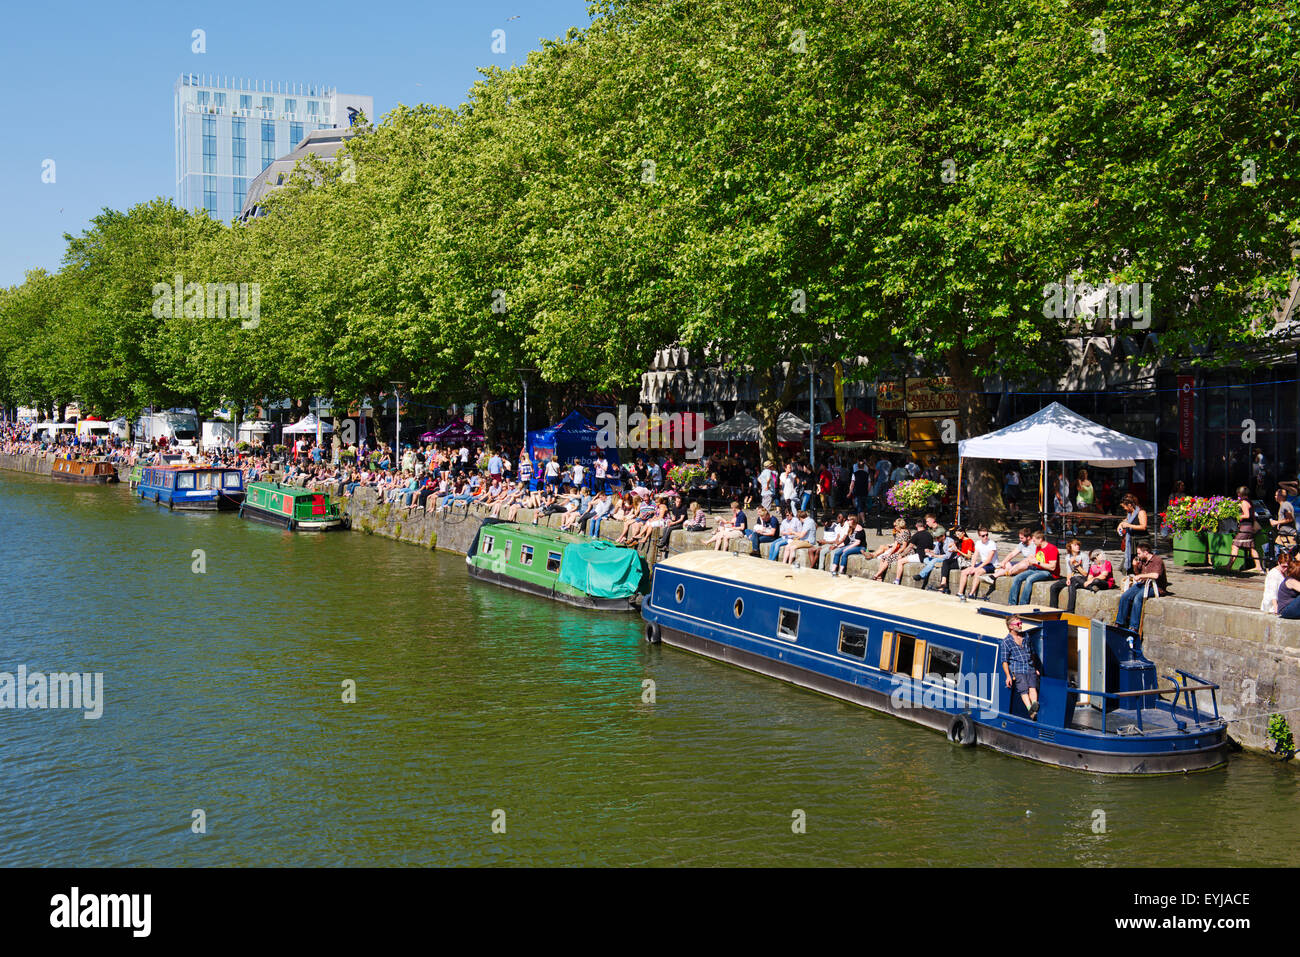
[602, 569]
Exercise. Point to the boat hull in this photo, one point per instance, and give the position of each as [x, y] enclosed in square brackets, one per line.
[280, 520]
[587, 602]
[988, 734]
[102, 479]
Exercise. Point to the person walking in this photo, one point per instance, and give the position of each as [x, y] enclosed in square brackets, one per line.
[1247, 525]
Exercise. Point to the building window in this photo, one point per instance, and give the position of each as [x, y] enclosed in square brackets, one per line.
[268, 102]
[291, 106]
[853, 641]
[239, 191]
[218, 99]
[209, 144]
[245, 101]
[210, 195]
[787, 625]
[268, 143]
[295, 134]
[313, 108]
[239, 147]
[203, 97]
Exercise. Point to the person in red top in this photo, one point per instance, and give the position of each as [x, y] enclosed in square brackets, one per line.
[959, 557]
[1043, 565]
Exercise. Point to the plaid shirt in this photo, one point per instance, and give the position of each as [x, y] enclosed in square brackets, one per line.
[1018, 654]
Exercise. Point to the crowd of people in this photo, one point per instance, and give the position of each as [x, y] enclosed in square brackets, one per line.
[795, 508]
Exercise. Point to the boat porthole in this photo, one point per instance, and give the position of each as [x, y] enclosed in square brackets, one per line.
[739, 607]
[681, 593]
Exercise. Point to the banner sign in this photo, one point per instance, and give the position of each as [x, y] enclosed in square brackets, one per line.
[1186, 415]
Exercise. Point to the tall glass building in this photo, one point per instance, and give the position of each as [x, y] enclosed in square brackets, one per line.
[228, 130]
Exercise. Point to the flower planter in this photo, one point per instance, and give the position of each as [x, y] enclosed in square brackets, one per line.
[1220, 548]
[1190, 548]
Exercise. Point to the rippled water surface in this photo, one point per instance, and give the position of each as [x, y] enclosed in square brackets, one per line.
[223, 692]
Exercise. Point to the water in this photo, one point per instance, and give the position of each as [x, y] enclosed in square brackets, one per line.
[224, 693]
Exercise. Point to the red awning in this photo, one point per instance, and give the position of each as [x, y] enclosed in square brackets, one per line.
[855, 426]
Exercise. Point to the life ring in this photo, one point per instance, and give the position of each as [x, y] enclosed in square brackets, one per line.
[652, 633]
[962, 731]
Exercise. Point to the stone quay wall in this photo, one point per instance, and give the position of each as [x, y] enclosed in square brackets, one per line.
[1253, 656]
[38, 463]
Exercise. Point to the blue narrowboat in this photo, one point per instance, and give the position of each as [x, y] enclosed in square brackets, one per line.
[192, 487]
[932, 660]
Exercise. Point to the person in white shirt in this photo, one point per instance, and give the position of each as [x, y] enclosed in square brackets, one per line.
[464, 455]
[767, 484]
[985, 558]
[1272, 581]
[789, 487]
[805, 536]
[578, 473]
[789, 528]
[832, 537]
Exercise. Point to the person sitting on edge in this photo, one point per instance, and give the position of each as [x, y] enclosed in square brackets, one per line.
[1148, 580]
[764, 530]
[1020, 559]
[788, 529]
[805, 537]
[1016, 659]
[699, 521]
[1044, 564]
[1272, 582]
[726, 531]
[984, 555]
[1288, 591]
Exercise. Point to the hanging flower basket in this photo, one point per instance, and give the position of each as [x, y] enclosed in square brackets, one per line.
[912, 495]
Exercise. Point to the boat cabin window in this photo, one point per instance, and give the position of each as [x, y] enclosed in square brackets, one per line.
[205, 479]
[853, 641]
[681, 593]
[787, 625]
[185, 481]
[506, 557]
[487, 544]
[525, 554]
[171, 480]
[552, 562]
[902, 654]
[944, 664]
[739, 607]
[232, 480]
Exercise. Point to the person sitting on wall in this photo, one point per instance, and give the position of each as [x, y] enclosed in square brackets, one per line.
[1149, 581]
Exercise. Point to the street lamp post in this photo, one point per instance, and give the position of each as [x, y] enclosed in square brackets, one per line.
[397, 414]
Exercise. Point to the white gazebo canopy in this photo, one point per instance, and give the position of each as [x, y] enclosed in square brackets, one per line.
[308, 424]
[743, 427]
[1055, 434]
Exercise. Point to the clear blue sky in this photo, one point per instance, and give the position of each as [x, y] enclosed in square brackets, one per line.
[89, 85]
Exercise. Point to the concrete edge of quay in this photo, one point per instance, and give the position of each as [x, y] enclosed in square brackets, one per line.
[1253, 656]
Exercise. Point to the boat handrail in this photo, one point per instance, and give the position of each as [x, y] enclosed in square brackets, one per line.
[1176, 689]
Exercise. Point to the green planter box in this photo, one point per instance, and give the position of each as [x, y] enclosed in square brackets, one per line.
[1220, 548]
[1190, 548]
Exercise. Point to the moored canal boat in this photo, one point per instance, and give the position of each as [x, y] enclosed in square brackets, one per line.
[88, 471]
[192, 487]
[587, 572]
[286, 506]
[934, 661]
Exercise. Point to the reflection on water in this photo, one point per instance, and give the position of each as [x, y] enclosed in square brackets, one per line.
[224, 692]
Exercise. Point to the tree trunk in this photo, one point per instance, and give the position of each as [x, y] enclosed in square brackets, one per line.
[769, 407]
[982, 501]
[489, 420]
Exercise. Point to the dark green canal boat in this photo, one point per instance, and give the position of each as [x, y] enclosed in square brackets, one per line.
[586, 572]
[287, 506]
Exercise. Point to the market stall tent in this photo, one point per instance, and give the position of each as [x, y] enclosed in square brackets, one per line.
[743, 427]
[573, 437]
[854, 426]
[1055, 434]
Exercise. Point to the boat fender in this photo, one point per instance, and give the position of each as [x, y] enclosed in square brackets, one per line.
[652, 634]
[962, 730]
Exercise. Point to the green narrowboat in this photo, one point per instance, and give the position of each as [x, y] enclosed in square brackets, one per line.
[286, 506]
[587, 572]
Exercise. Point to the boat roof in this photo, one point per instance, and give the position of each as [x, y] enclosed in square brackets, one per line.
[877, 597]
[293, 491]
[536, 531]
